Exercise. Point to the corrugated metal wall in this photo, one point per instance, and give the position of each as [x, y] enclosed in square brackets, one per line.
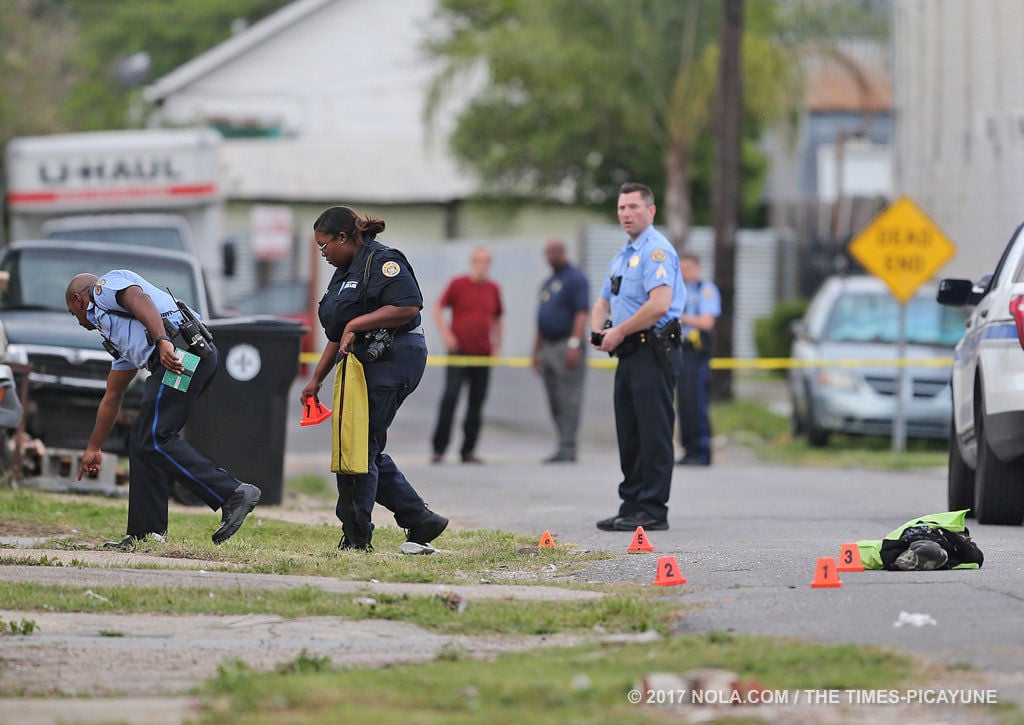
[757, 252]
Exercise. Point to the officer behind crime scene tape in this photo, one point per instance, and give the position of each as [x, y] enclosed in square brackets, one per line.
[371, 316]
[145, 327]
[641, 298]
[702, 307]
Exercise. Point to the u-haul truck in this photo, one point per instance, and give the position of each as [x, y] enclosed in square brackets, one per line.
[155, 188]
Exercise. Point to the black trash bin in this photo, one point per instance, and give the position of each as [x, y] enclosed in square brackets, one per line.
[240, 421]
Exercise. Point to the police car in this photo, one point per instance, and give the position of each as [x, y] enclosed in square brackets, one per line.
[986, 449]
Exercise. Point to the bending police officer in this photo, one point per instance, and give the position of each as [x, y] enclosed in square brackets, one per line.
[130, 314]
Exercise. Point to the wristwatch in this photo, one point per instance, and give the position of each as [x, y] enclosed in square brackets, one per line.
[572, 343]
[163, 337]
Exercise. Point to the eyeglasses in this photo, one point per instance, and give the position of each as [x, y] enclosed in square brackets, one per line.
[324, 245]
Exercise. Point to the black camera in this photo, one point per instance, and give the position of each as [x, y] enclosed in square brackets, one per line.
[377, 344]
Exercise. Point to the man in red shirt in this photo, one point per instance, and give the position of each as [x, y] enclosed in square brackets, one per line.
[475, 329]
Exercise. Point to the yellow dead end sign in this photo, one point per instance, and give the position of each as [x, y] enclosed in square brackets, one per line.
[902, 247]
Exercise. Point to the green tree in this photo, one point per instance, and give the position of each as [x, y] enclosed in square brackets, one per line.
[58, 58]
[170, 31]
[35, 38]
[582, 95]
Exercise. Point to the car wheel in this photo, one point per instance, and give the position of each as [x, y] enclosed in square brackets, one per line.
[796, 421]
[817, 437]
[960, 491]
[998, 491]
[6, 455]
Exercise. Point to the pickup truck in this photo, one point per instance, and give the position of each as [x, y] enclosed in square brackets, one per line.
[69, 366]
[158, 231]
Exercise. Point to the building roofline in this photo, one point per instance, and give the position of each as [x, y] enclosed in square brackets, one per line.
[230, 49]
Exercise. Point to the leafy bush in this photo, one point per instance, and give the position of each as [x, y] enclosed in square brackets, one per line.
[771, 334]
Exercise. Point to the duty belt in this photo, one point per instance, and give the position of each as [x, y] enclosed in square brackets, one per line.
[664, 337]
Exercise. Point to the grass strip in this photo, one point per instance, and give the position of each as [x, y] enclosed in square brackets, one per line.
[270, 546]
[587, 683]
[617, 614]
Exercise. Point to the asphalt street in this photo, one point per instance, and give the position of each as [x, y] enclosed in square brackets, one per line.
[746, 535]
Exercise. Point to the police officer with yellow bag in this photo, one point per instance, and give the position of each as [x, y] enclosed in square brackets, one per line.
[371, 311]
[636, 318]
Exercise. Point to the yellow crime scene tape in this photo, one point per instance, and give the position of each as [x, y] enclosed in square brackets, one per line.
[750, 363]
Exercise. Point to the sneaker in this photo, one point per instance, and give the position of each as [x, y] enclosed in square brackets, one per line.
[427, 529]
[922, 555]
[125, 544]
[234, 510]
[129, 543]
[411, 547]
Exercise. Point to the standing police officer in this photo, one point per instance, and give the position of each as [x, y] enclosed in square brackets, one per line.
[701, 310]
[641, 300]
[130, 314]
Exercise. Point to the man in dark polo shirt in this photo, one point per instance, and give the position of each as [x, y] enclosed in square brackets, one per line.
[558, 355]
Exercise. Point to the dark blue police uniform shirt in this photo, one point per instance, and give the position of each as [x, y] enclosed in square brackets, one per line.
[562, 295]
[391, 282]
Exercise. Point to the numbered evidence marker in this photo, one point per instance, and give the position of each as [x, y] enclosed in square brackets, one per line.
[180, 381]
[825, 574]
[668, 572]
[849, 558]
[640, 541]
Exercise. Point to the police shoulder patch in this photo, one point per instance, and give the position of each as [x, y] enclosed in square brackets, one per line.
[708, 292]
[658, 255]
[99, 286]
[390, 269]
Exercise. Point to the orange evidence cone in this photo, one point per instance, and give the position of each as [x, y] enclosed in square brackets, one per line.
[849, 558]
[313, 412]
[668, 572]
[825, 574]
[640, 541]
[546, 542]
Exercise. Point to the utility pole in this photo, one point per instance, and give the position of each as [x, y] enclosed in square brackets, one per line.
[726, 204]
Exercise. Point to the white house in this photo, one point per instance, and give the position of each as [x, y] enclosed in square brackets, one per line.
[959, 101]
[323, 103]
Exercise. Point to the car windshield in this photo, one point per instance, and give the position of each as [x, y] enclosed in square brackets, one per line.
[39, 277]
[874, 317]
[158, 237]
